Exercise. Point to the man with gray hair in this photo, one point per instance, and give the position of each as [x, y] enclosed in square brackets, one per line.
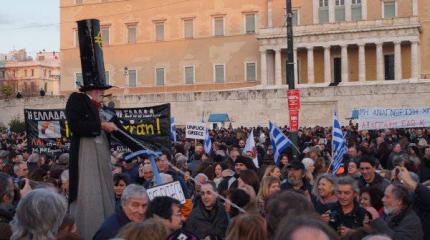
[399, 220]
[134, 202]
[346, 215]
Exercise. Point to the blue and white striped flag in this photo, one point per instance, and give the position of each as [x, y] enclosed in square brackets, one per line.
[338, 145]
[279, 141]
[207, 142]
[172, 129]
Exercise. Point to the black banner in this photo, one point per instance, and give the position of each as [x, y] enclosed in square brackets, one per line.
[48, 131]
[149, 125]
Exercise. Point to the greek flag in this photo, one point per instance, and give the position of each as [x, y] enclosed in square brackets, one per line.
[172, 129]
[279, 141]
[338, 145]
[207, 142]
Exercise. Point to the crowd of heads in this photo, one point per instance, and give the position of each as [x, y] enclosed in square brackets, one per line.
[380, 191]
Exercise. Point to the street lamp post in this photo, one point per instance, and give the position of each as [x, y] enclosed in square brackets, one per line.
[290, 69]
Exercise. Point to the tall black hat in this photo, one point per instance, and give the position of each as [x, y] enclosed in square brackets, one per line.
[90, 44]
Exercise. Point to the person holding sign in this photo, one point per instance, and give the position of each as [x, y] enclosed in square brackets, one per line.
[91, 194]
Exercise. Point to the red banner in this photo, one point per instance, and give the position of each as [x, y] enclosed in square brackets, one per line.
[294, 107]
[294, 121]
[293, 99]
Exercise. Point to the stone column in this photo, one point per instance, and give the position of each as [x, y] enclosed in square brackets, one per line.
[331, 11]
[278, 67]
[364, 9]
[311, 78]
[296, 74]
[269, 14]
[327, 65]
[361, 62]
[414, 7]
[348, 13]
[344, 57]
[397, 60]
[263, 64]
[379, 62]
[415, 60]
[315, 7]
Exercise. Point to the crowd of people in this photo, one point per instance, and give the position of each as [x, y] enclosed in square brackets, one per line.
[382, 190]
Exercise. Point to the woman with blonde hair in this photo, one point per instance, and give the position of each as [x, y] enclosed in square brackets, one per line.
[247, 227]
[323, 193]
[272, 170]
[269, 185]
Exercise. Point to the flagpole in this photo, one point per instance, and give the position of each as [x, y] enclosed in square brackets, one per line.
[290, 69]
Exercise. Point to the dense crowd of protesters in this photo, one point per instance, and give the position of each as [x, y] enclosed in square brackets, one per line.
[382, 191]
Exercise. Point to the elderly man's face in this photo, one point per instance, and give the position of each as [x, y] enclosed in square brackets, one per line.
[135, 208]
[22, 171]
[295, 176]
[147, 173]
[391, 204]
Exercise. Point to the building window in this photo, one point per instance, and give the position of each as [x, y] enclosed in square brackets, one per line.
[78, 2]
[159, 31]
[132, 78]
[356, 10]
[79, 80]
[32, 72]
[1, 74]
[340, 11]
[295, 17]
[250, 22]
[189, 74]
[75, 38]
[159, 76]
[219, 73]
[131, 33]
[44, 72]
[250, 72]
[389, 9]
[107, 77]
[49, 73]
[25, 72]
[105, 35]
[389, 66]
[188, 28]
[323, 11]
[219, 26]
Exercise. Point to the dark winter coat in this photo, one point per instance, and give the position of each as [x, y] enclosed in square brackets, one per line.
[204, 223]
[404, 226]
[422, 207]
[112, 225]
[84, 121]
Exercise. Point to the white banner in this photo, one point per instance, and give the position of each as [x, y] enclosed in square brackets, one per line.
[173, 190]
[383, 118]
[195, 131]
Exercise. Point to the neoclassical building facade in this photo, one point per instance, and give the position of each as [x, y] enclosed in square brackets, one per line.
[192, 45]
[28, 75]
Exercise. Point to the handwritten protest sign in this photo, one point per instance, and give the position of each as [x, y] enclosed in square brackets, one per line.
[173, 190]
[195, 131]
[383, 118]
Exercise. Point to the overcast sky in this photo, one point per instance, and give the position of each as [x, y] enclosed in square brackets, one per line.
[30, 24]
